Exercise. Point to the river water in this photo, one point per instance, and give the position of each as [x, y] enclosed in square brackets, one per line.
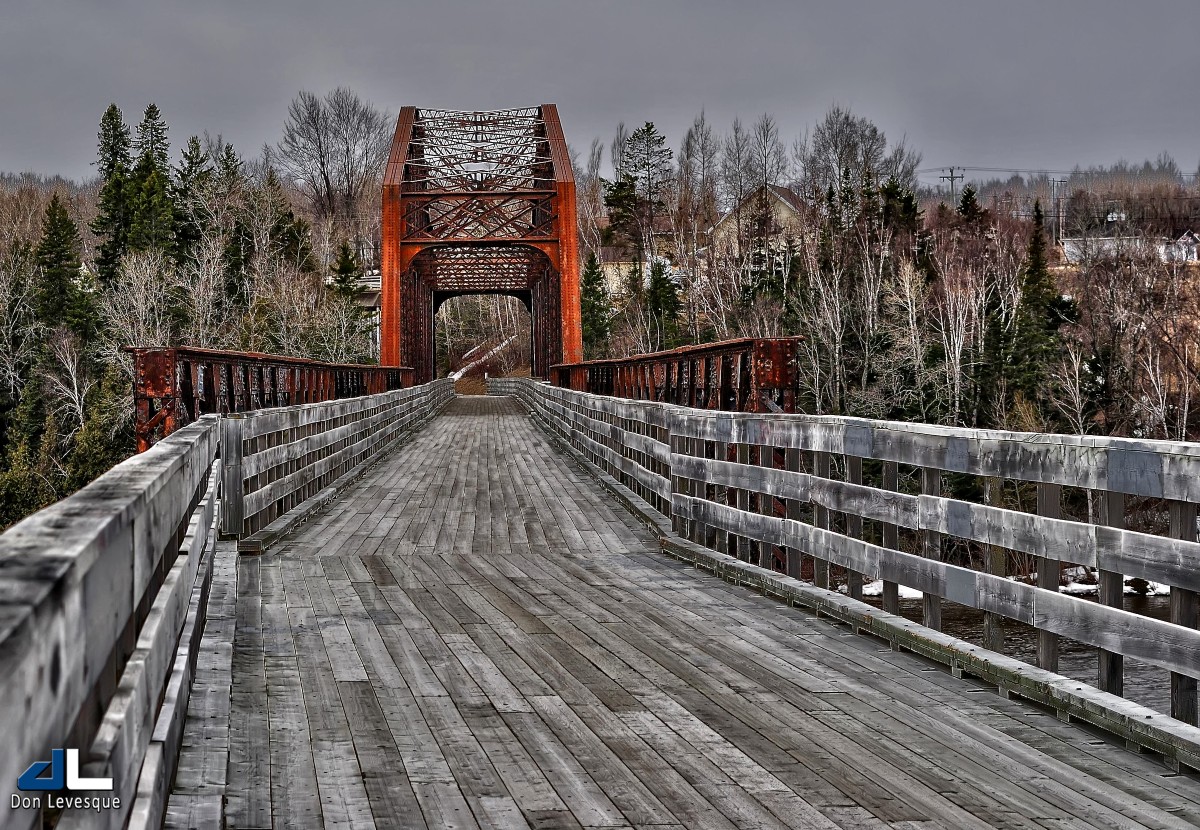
[1145, 684]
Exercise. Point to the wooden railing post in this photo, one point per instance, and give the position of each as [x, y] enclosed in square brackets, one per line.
[891, 538]
[1049, 504]
[995, 563]
[721, 496]
[1183, 612]
[1110, 591]
[744, 545]
[854, 526]
[795, 558]
[674, 441]
[698, 531]
[821, 519]
[766, 506]
[232, 491]
[931, 485]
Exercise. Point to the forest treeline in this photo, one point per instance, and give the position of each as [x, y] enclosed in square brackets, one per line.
[910, 307]
[211, 250]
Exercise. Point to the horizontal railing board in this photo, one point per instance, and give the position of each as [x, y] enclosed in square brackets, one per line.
[1160, 469]
[646, 478]
[279, 418]
[379, 430]
[1136, 554]
[254, 463]
[860, 499]
[319, 443]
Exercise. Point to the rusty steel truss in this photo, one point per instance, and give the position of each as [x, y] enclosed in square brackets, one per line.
[745, 375]
[479, 203]
[173, 387]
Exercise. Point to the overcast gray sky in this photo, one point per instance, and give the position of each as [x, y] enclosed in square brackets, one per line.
[995, 83]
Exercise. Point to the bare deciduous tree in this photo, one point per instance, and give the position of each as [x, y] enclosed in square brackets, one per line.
[18, 334]
[334, 148]
[202, 293]
[136, 307]
[844, 143]
[69, 382]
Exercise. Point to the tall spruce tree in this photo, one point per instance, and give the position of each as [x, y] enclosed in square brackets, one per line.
[647, 159]
[151, 138]
[347, 272]
[152, 215]
[193, 174]
[595, 309]
[662, 302]
[58, 298]
[1041, 312]
[113, 214]
[969, 209]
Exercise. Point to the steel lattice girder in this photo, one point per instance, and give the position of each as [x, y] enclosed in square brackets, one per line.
[479, 202]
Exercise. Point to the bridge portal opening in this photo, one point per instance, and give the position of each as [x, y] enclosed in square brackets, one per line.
[489, 332]
[479, 203]
[442, 273]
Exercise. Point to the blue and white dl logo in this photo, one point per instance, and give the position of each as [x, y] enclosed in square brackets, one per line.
[63, 773]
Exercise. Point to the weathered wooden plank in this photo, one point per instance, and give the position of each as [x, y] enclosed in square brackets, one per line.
[1184, 612]
[1110, 590]
[1049, 504]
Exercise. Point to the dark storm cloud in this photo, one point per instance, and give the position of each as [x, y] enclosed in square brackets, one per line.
[996, 84]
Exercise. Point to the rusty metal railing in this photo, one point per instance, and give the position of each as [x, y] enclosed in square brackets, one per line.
[173, 387]
[744, 375]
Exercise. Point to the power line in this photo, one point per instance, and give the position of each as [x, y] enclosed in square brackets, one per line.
[1044, 171]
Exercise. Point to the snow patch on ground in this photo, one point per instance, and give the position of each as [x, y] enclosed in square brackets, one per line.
[875, 589]
[1079, 589]
[1086, 589]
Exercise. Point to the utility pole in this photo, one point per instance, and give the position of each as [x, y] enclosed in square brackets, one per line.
[1058, 203]
[953, 178]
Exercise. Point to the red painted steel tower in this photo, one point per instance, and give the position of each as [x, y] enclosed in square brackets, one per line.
[479, 203]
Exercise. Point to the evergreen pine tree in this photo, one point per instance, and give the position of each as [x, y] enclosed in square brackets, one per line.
[969, 209]
[152, 215]
[595, 309]
[347, 272]
[57, 298]
[621, 204]
[152, 222]
[1039, 316]
[662, 302]
[112, 217]
[191, 176]
[151, 139]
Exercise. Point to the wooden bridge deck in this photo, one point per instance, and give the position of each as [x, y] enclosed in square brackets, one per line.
[475, 636]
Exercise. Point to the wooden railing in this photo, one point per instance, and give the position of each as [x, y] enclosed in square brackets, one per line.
[280, 463]
[103, 596]
[801, 494]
